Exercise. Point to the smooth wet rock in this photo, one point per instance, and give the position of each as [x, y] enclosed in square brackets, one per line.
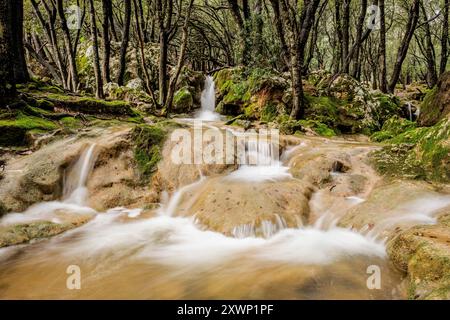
[423, 253]
[223, 204]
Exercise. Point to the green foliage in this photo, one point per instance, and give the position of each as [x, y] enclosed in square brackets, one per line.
[148, 143]
[318, 127]
[419, 153]
[392, 128]
[183, 99]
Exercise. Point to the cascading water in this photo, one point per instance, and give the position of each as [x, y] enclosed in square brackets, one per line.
[74, 197]
[208, 100]
[75, 191]
[259, 158]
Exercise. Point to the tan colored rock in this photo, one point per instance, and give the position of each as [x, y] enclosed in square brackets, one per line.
[423, 253]
[222, 204]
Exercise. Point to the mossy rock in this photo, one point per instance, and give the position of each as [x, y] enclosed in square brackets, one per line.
[423, 253]
[392, 128]
[318, 127]
[420, 153]
[15, 131]
[22, 233]
[436, 104]
[183, 100]
[148, 142]
[88, 105]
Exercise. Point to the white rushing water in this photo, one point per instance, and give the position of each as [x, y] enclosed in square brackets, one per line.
[208, 100]
[259, 159]
[74, 197]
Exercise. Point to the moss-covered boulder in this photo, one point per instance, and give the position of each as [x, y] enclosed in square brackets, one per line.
[148, 140]
[423, 253]
[349, 106]
[22, 233]
[183, 101]
[257, 93]
[436, 104]
[15, 131]
[392, 128]
[420, 153]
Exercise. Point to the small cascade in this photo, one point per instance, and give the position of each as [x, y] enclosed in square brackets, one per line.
[410, 114]
[208, 100]
[74, 197]
[259, 158]
[75, 191]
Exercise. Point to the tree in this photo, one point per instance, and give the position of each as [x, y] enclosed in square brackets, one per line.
[413, 18]
[444, 37]
[124, 44]
[98, 76]
[18, 58]
[298, 24]
[7, 85]
[382, 48]
[107, 9]
[73, 75]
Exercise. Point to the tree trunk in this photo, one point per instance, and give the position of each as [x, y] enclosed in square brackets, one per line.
[98, 76]
[107, 8]
[444, 38]
[432, 77]
[7, 85]
[413, 18]
[180, 64]
[346, 35]
[382, 48]
[163, 48]
[68, 44]
[125, 40]
[338, 43]
[19, 62]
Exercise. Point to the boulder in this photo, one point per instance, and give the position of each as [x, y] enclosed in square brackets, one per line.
[436, 105]
[423, 253]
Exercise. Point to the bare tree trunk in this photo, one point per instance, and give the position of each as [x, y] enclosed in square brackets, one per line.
[142, 57]
[52, 39]
[338, 44]
[280, 31]
[7, 85]
[181, 56]
[106, 73]
[346, 35]
[413, 18]
[19, 62]
[124, 45]
[98, 76]
[444, 38]
[432, 77]
[382, 48]
[68, 44]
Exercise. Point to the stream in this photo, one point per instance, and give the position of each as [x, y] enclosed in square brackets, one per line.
[130, 254]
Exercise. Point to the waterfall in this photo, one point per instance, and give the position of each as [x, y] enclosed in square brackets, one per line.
[75, 191]
[410, 111]
[74, 196]
[208, 100]
[258, 155]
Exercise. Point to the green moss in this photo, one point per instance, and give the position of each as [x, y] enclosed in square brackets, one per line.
[269, 112]
[318, 127]
[183, 99]
[70, 123]
[429, 111]
[421, 153]
[22, 233]
[394, 127]
[89, 105]
[148, 143]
